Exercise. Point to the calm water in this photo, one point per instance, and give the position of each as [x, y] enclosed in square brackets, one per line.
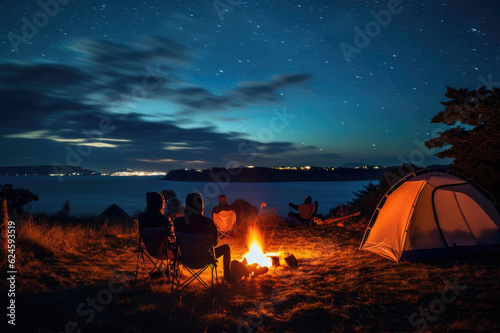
[93, 194]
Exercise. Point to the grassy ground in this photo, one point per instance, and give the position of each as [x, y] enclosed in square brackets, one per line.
[82, 278]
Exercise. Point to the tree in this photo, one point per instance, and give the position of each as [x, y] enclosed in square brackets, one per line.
[367, 200]
[16, 198]
[64, 212]
[173, 204]
[474, 143]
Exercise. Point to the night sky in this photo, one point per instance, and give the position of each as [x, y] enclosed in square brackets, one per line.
[161, 85]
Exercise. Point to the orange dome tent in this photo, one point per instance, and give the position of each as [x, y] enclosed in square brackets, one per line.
[431, 216]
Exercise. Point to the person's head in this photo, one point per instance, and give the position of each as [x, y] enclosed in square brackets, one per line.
[308, 200]
[222, 199]
[155, 201]
[194, 203]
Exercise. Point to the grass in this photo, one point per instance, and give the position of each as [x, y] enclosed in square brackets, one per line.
[81, 277]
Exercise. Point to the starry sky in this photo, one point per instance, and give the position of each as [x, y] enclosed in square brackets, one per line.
[162, 85]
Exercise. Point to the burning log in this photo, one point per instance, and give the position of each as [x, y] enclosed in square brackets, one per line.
[255, 269]
[256, 261]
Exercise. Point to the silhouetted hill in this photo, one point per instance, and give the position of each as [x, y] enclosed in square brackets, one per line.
[45, 170]
[261, 174]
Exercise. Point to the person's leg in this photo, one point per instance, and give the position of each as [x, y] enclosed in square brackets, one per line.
[224, 250]
[296, 215]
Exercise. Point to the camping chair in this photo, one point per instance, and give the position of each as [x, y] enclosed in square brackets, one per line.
[225, 220]
[154, 252]
[196, 253]
[306, 213]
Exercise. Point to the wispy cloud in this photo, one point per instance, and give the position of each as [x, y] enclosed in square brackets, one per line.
[67, 104]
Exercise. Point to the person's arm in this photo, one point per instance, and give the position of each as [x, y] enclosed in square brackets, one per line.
[296, 207]
[170, 227]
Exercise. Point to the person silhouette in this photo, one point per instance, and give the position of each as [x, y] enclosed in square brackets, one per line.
[194, 222]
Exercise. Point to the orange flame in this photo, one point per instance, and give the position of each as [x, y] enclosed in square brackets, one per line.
[255, 254]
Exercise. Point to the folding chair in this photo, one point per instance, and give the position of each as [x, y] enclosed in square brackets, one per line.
[196, 253]
[154, 252]
[305, 215]
[306, 212]
[225, 221]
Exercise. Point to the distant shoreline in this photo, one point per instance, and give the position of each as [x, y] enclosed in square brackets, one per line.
[222, 175]
[265, 175]
[271, 181]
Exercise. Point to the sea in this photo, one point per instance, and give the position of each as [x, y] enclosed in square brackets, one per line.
[93, 194]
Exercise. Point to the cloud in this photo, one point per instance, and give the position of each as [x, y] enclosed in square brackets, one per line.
[267, 91]
[160, 160]
[123, 68]
[62, 108]
[121, 74]
[232, 119]
[107, 55]
[246, 93]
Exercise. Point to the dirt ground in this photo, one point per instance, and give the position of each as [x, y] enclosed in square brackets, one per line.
[334, 288]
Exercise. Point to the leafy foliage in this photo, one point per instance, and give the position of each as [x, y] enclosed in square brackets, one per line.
[366, 200]
[169, 194]
[16, 198]
[243, 208]
[64, 212]
[474, 143]
[174, 206]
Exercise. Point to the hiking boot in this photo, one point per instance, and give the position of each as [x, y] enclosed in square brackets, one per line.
[239, 270]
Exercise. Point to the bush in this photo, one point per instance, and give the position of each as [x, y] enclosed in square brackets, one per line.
[16, 198]
[270, 216]
[174, 206]
[367, 200]
[340, 211]
[243, 208]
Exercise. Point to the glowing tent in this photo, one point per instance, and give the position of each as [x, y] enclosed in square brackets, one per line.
[430, 216]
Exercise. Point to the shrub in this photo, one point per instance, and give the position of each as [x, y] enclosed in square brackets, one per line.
[367, 200]
[243, 208]
[16, 198]
[174, 206]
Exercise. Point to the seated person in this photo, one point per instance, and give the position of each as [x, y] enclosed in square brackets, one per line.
[194, 222]
[306, 211]
[224, 216]
[153, 216]
[222, 205]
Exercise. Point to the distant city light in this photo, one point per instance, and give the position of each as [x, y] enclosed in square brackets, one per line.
[137, 173]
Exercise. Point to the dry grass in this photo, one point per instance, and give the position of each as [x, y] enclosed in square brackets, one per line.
[53, 256]
[334, 288]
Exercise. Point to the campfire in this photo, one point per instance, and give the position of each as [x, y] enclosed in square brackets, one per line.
[255, 253]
